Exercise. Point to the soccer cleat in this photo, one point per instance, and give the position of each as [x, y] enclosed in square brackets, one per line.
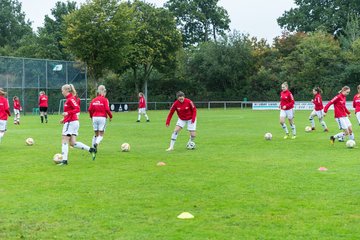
[286, 136]
[170, 149]
[332, 139]
[293, 137]
[148, 120]
[326, 130]
[313, 128]
[137, 120]
[93, 152]
[63, 163]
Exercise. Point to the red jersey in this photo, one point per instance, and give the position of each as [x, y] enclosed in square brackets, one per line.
[17, 104]
[142, 103]
[340, 109]
[286, 100]
[356, 103]
[43, 100]
[317, 101]
[99, 107]
[186, 110]
[72, 108]
[4, 108]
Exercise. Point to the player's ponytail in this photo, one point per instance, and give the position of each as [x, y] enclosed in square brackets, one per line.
[73, 90]
[318, 90]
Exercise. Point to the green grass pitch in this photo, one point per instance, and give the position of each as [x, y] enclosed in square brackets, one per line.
[236, 184]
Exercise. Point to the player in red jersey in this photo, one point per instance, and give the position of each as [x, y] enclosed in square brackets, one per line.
[17, 109]
[71, 124]
[4, 113]
[356, 104]
[142, 107]
[99, 110]
[186, 112]
[287, 110]
[43, 106]
[341, 115]
[318, 109]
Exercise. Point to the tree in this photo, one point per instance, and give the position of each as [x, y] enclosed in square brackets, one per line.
[311, 15]
[155, 43]
[199, 19]
[99, 34]
[13, 25]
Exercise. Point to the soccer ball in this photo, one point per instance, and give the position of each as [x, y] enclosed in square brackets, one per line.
[350, 143]
[29, 141]
[268, 136]
[308, 129]
[125, 147]
[57, 158]
[190, 145]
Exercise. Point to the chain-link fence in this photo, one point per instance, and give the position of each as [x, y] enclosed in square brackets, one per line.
[26, 77]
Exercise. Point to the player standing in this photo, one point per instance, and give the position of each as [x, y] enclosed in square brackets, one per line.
[99, 110]
[17, 109]
[43, 106]
[71, 124]
[287, 110]
[356, 104]
[341, 115]
[186, 112]
[142, 107]
[318, 110]
[4, 113]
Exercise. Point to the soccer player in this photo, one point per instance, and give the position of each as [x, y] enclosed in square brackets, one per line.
[186, 112]
[4, 113]
[318, 110]
[287, 110]
[142, 108]
[356, 104]
[17, 109]
[71, 124]
[43, 106]
[99, 110]
[341, 115]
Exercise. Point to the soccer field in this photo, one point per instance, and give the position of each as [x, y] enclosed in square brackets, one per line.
[236, 184]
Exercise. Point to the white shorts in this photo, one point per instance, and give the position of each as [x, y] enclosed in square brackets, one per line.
[190, 126]
[343, 122]
[99, 123]
[16, 111]
[319, 114]
[142, 110]
[71, 128]
[3, 125]
[287, 113]
[358, 117]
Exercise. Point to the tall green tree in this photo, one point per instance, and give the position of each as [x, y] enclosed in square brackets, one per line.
[199, 20]
[99, 34]
[311, 15]
[13, 25]
[155, 43]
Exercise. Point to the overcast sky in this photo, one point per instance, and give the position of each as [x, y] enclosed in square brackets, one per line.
[255, 17]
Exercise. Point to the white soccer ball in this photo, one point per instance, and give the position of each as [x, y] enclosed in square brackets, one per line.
[125, 147]
[268, 136]
[350, 143]
[58, 157]
[190, 145]
[29, 141]
[308, 129]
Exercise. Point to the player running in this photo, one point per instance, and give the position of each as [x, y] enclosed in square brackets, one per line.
[318, 110]
[142, 108]
[186, 112]
[17, 109]
[71, 124]
[342, 115]
[99, 110]
[287, 110]
[43, 106]
[4, 113]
